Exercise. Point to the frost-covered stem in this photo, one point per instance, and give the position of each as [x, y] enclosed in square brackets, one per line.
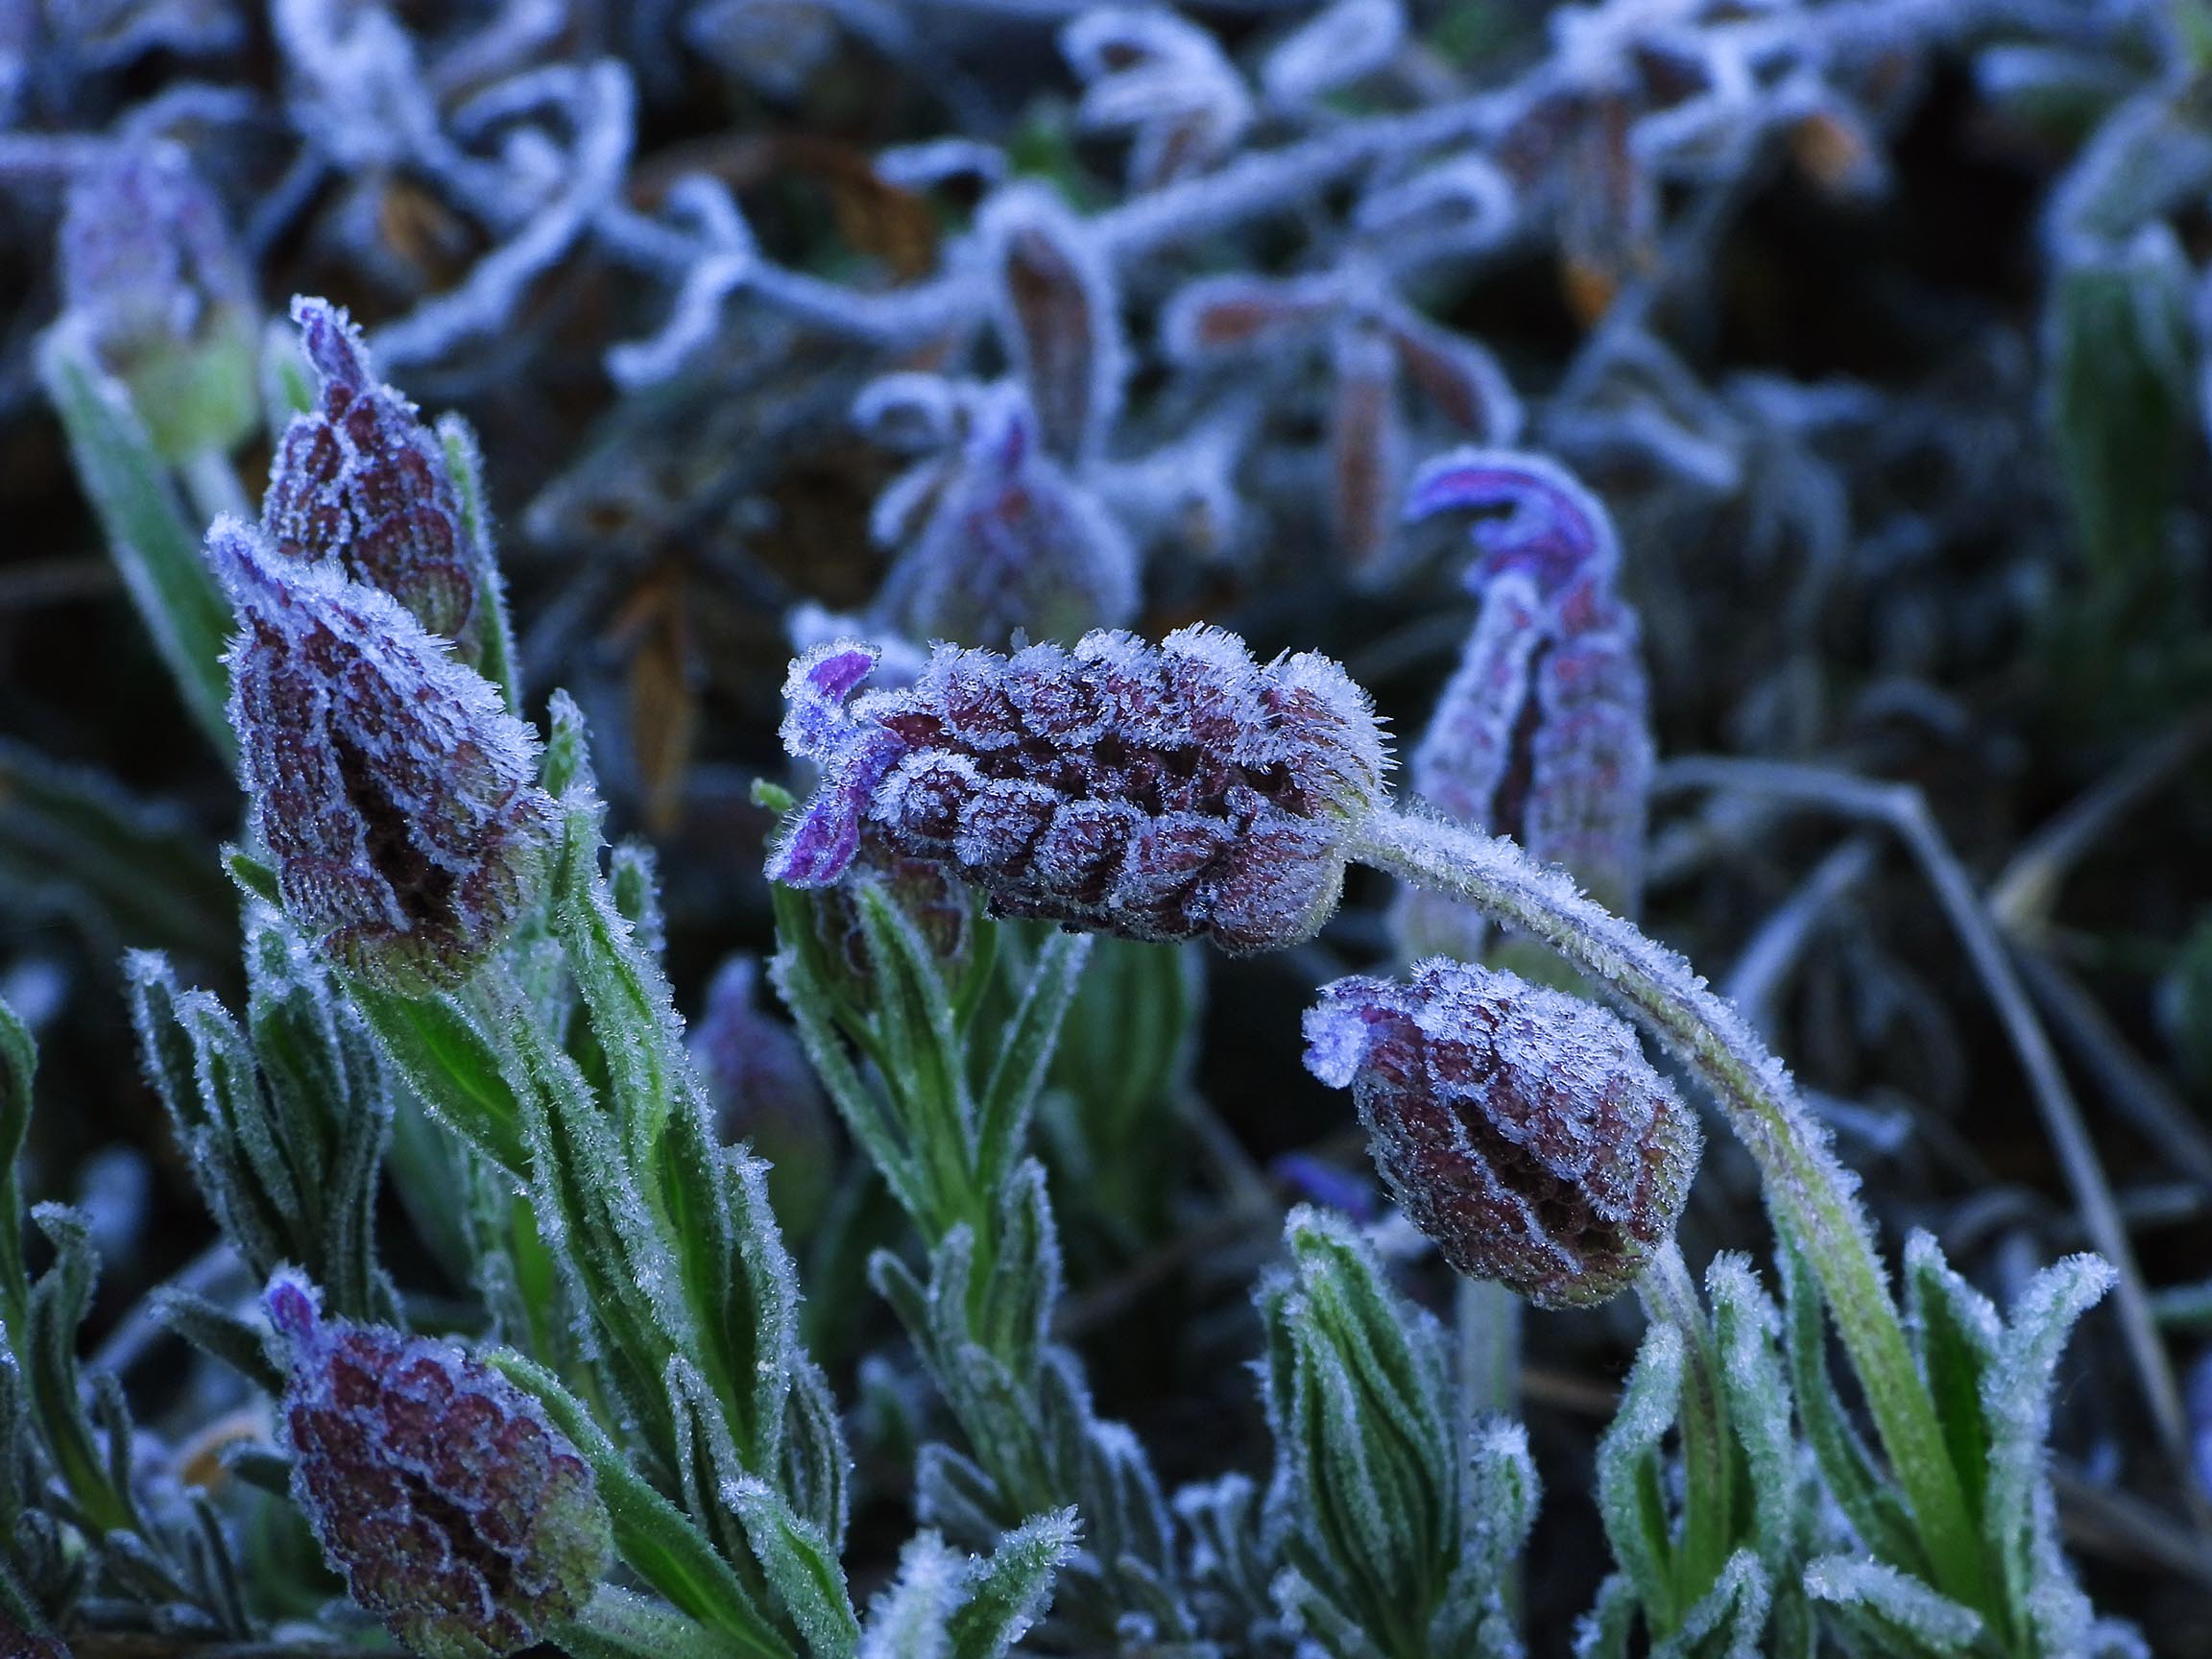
[1486, 1325]
[1670, 1297]
[1809, 1190]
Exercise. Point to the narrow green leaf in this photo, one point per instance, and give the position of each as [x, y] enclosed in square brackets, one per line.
[156, 550]
[221, 1336]
[453, 1067]
[1025, 1054]
[1010, 1589]
[618, 1625]
[800, 1566]
[651, 1534]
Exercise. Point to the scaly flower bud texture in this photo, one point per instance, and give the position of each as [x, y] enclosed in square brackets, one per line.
[1162, 792]
[1519, 1128]
[360, 480]
[388, 780]
[458, 1514]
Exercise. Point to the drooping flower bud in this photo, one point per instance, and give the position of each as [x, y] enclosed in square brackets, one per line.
[996, 536]
[388, 780]
[764, 1092]
[1519, 1128]
[1544, 733]
[1162, 792]
[150, 271]
[359, 480]
[458, 1514]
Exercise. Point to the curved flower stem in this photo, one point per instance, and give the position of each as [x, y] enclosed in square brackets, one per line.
[1806, 1188]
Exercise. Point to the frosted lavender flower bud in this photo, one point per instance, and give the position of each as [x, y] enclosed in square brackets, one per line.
[1542, 732]
[361, 481]
[149, 269]
[764, 1092]
[1007, 539]
[458, 1514]
[1161, 792]
[1519, 1128]
[388, 780]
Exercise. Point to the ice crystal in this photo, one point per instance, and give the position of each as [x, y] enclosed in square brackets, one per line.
[458, 1514]
[1519, 1128]
[388, 780]
[1159, 792]
[361, 481]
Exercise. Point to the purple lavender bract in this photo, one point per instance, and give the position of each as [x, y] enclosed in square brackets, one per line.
[1519, 1128]
[360, 480]
[1162, 792]
[458, 1514]
[388, 780]
[1542, 732]
[149, 267]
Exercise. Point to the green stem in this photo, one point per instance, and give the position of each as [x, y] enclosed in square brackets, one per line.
[1707, 1528]
[1802, 1179]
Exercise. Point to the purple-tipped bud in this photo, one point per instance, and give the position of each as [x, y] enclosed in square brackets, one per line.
[150, 271]
[1519, 1128]
[1161, 792]
[388, 780]
[764, 1092]
[1544, 731]
[360, 481]
[458, 1514]
[1008, 541]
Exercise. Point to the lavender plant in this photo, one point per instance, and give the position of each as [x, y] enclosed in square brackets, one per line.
[1832, 371]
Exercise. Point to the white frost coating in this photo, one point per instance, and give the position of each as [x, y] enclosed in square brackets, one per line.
[1058, 315]
[2020, 1516]
[1341, 44]
[1165, 82]
[1933, 1620]
[1462, 206]
[601, 106]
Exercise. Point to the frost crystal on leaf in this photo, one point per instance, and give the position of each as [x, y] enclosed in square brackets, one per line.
[1159, 792]
[1163, 81]
[388, 780]
[458, 1514]
[1519, 1128]
[361, 481]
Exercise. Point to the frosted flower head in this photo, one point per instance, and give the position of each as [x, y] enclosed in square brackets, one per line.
[388, 781]
[150, 271]
[458, 1514]
[997, 537]
[1521, 1129]
[360, 481]
[1174, 791]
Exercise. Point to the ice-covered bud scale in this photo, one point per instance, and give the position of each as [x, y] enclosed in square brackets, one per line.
[1542, 732]
[458, 1514]
[360, 480]
[1162, 792]
[1519, 1128]
[388, 780]
[150, 271]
